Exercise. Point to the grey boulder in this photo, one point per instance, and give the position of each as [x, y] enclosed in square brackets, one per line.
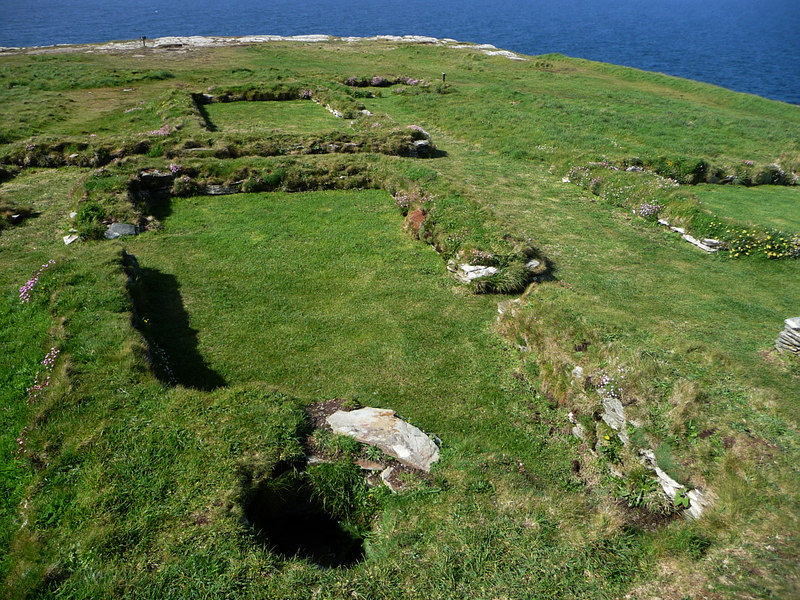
[116, 230]
[381, 428]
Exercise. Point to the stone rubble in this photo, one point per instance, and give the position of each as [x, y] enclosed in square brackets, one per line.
[709, 245]
[789, 339]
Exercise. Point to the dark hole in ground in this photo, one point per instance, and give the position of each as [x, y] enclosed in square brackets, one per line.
[288, 518]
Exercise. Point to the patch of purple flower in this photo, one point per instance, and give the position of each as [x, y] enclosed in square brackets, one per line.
[377, 81]
[165, 130]
[39, 386]
[401, 200]
[609, 385]
[647, 209]
[404, 200]
[173, 168]
[20, 451]
[25, 290]
[481, 257]
[305, 94]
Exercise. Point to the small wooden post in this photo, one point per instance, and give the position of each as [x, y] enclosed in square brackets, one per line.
[144, 41]
[444, 76]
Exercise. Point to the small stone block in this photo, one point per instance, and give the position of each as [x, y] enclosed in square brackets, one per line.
[793, 323]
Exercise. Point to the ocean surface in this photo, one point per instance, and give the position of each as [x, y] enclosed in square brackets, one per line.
[745, 45]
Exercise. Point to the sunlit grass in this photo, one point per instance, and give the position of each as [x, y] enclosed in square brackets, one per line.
[775, 207]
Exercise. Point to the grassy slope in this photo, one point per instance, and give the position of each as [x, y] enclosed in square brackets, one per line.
[491, 529]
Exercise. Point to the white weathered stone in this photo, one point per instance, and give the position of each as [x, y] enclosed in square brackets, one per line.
[793, 323]
[698, 501]
[466, 273]
[663, 222]
[533, 264]
[695, 242]
[680, 230]
[565, 179]
[68, 239]
[381, 428]
[73, 214]
[613, 413]
[577, 374]
[711, 242]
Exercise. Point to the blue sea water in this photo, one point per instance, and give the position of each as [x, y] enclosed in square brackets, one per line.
[743, 45]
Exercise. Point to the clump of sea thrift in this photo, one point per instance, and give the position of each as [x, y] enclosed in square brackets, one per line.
[165, 130]
[21, 451]
[404, 200]
[648, 209]
[25, 290]
[610, 384]
[39, 386]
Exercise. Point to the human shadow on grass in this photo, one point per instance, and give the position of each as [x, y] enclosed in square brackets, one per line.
[173, 343]
[201, 108]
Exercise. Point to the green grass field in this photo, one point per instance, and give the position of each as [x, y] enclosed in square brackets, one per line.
[174, 421]
[294, 116]
[774, 206]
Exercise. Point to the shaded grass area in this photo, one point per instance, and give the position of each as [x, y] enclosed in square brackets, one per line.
[777, 207]
[162, 317]
[291, 116]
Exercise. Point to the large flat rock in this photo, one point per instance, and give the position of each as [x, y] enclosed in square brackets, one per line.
[380, 427]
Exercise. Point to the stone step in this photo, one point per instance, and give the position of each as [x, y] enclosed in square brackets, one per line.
[790, 336]
[781, 346]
